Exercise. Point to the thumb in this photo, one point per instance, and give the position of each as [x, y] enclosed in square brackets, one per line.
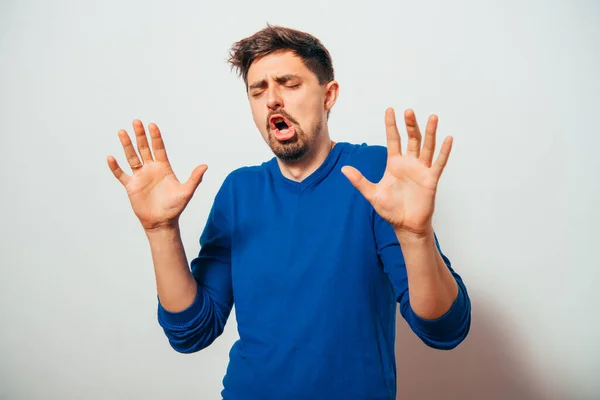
[362, 184]
[196, 177]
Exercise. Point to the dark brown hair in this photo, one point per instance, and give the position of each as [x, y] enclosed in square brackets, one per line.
[276, 38]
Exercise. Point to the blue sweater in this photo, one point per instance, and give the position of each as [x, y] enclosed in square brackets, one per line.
[315, 274]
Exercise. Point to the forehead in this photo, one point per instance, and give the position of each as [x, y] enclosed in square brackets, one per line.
[277, 64]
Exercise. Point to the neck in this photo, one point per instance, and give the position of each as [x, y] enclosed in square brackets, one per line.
[301, 169]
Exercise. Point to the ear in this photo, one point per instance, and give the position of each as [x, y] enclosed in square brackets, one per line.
[331, 94]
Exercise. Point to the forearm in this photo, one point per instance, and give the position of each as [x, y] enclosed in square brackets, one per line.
[175, 284]
[432, 287]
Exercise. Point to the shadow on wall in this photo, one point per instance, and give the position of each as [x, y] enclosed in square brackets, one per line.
[486, 365]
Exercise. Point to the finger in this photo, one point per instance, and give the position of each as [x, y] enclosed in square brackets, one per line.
[158, 146]
[391, 130]
[414, 134]
[442, 159]
[130, 154]
[196, 177]
[429, 142]
[117, 171]
[362, 184]
[142, 141]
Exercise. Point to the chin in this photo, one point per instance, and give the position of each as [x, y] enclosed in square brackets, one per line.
[290, 151]
[294, 149]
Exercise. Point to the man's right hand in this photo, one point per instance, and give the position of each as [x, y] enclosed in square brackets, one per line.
[156, 195]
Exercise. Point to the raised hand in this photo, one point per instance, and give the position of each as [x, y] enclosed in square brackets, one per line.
[405, 195]
[156, 195]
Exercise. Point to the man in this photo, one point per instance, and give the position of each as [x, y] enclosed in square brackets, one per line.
[313, 253]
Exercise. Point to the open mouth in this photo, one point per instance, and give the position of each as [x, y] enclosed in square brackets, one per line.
[279, 122]
[281, 127]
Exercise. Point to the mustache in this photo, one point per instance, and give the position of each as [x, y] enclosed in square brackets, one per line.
[280, 112]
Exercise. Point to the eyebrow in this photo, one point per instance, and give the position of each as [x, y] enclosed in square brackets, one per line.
[280, 79]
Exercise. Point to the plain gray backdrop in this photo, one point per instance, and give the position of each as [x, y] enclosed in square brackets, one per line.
[516, 83]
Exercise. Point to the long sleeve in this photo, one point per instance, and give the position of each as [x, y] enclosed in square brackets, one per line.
[196, 327]
[445, 332]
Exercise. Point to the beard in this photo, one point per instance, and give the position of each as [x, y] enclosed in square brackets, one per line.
[296, 148]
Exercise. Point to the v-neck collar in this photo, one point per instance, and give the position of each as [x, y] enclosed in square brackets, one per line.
[317, 176]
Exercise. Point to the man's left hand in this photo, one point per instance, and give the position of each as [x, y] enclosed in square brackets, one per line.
[405, 195]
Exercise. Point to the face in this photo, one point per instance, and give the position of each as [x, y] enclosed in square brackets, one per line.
[288, 104]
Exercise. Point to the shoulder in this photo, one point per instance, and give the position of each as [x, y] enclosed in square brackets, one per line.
[246, 174]
[242, 178]
[369, 159]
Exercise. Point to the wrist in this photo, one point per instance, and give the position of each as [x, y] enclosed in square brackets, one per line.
[414, 236]
[166, 229]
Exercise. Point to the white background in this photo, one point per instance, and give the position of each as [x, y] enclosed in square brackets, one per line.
[515, 83]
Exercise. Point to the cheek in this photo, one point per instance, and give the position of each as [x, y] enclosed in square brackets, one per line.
[307, 105]
[315, 102]
[258, 115]
[315, 108]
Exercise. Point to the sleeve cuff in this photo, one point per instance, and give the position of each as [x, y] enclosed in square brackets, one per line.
[183, 317]
[449, 325]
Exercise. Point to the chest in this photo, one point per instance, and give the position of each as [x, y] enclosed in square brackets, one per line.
[295, 244]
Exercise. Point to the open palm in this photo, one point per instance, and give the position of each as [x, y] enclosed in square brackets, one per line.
[405, 195]
[156, 195]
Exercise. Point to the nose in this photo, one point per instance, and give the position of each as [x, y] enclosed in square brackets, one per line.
[274, 99]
